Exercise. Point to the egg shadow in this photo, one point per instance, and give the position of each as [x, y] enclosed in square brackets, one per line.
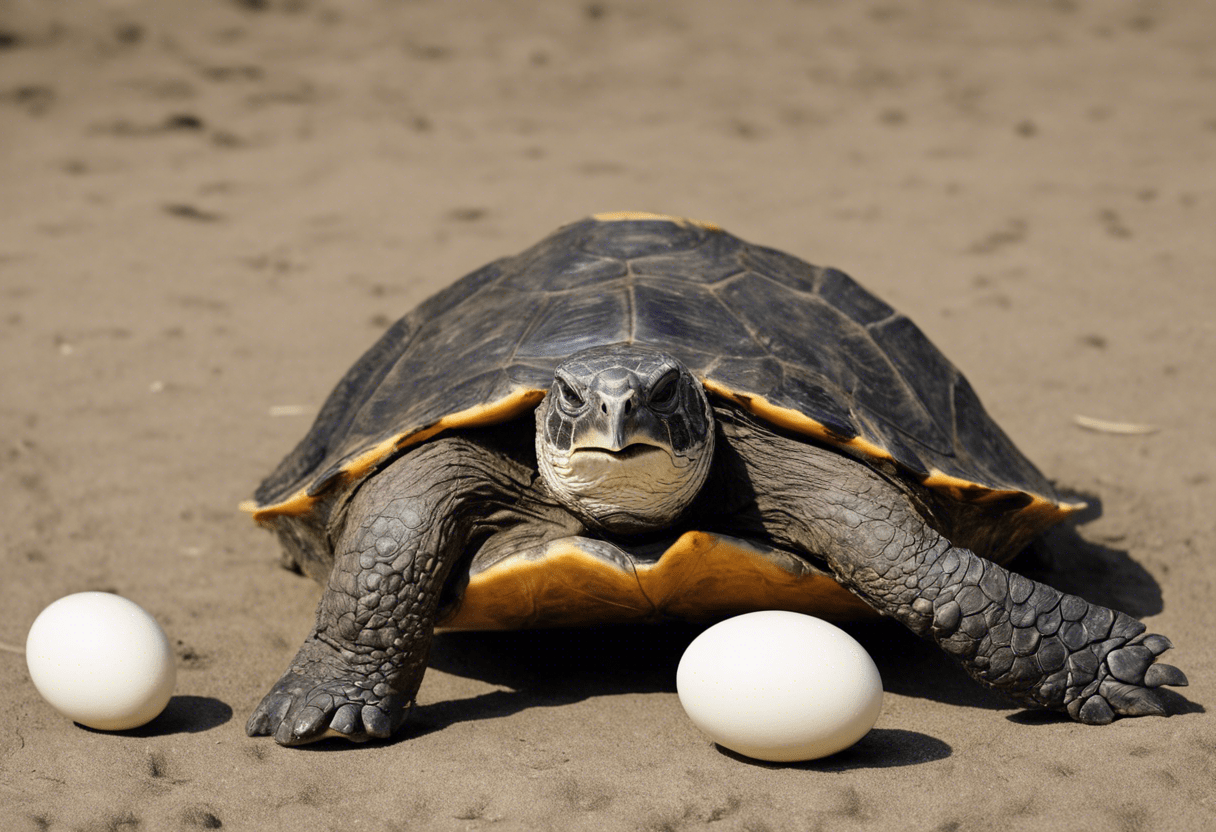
[183, 715]
[880, 748]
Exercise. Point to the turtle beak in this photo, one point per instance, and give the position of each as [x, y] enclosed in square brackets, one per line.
[617, 422]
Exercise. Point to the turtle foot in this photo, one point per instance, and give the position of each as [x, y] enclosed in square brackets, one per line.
[315, 700]
[1127, 683]
[1044, 648]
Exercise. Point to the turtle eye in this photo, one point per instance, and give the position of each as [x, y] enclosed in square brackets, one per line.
[568, 398]
[664, 396]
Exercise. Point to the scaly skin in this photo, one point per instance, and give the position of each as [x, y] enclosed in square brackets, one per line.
[1044, 648]
[359, 670]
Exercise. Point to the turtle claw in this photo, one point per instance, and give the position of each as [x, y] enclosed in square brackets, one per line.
[1164, 674]
[300, 709]
[1156, 643]
[346, 719]
[312, 723]
[1127, 683]
[267, 716]
[1095, 711]
[1116, 699]
[1131, 700]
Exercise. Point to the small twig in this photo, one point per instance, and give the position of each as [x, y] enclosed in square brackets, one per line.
[8, 648]
[1120, 428]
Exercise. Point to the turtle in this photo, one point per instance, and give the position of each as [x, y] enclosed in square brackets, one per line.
[643, 418]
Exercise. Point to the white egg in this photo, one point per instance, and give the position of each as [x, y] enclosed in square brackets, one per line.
[779, 686]
[101, 660]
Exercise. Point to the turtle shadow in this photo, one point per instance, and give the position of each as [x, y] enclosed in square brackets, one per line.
[551, 667]
[618, 658]
[547, 668]
[1101, 574]
[913, 667]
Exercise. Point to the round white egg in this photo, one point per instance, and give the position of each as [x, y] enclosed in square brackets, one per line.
[101, 660]
[779, 686]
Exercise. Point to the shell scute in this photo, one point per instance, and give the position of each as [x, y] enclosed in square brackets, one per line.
[562, 325]
[639, 238]
[845, 294]
[923, 370]
[713, 324]
[715, 258]
[782, 268]
[561, 269]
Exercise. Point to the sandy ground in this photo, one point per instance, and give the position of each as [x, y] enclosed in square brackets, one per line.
[211, 208]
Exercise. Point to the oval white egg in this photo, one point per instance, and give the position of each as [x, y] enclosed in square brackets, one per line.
[779, 686]
[101, 660]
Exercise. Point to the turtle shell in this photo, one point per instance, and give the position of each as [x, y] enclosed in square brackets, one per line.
[802, 347]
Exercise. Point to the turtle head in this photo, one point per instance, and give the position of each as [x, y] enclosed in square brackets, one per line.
[625, 437]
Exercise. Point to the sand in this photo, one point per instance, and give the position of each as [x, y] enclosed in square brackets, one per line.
[211, 209]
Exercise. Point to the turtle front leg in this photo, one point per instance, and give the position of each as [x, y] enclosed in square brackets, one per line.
[358, 671]
[1044, 648]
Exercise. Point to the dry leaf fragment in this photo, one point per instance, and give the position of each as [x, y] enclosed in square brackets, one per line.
[1119, 428]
